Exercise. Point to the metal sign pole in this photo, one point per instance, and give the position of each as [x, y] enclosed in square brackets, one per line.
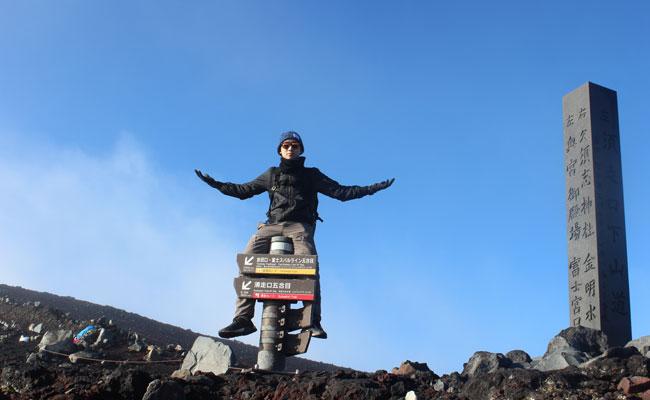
[271, 356]
[277, 280]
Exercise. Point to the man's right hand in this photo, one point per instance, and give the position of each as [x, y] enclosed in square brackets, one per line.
[208, 179]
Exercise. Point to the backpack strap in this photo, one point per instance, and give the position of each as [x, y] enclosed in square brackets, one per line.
[274, 177]
[272, 184]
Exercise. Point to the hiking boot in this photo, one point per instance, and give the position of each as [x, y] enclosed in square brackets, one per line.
[240, 326]
[317, 331]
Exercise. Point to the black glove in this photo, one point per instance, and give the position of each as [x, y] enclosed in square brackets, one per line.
[374, 188]
[209, 180]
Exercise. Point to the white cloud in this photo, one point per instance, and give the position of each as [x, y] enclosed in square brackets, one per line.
[105, 229]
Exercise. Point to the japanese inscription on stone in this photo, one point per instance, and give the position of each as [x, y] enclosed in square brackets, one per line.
[597, 263]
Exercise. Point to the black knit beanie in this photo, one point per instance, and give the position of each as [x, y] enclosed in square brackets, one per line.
[291, 135]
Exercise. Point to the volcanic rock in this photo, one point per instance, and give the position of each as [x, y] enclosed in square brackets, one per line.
[634, 384]
[408, 368]
[37, 328]
[560, 360]
[440, 386]
[182, 374]
[59, 341]
[483, 362]
[642, 344]
[519, 357]
[154, 353]
[167, 390]
[587, 340]
[572, 346]
[138, 344]
[208, 355]
[127, 383]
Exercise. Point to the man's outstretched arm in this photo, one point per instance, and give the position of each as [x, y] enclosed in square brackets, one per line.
[241, 191]
[330, 187]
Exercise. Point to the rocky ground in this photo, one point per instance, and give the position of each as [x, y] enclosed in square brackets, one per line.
[579, 364]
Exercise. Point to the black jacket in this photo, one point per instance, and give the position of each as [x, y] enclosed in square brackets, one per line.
[293, 190]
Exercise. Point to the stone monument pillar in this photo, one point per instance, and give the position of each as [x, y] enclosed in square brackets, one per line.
[598, 282]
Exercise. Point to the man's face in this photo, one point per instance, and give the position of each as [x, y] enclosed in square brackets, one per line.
[290, 149]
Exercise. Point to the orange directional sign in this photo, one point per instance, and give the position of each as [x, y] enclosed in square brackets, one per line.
[277, 264]
[274, 289]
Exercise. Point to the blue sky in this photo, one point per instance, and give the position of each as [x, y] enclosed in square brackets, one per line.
[106, 109]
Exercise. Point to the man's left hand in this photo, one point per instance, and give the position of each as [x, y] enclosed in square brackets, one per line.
[372, 189]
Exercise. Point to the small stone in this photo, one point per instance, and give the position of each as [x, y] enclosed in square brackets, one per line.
[78, 356]
[439, 386]
[138, 345]
[32, 358]
[408, 368]
[36, 328]
[153, 353]
[518, 356]
[410, 396]
[37, 304]
[182, 374]
[23, 339]
[58, 341]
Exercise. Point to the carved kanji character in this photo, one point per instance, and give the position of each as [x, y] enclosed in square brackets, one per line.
[587, 230]
[589, 263]
[591, 314]
[570, 143]
[571, 167]
[582, 113]
[574, 266]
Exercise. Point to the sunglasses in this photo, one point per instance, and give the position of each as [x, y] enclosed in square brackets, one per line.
[287, 146]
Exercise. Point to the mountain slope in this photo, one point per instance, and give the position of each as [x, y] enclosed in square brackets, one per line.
[156, 332]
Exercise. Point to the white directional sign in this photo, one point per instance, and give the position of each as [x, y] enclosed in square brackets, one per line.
[277, 264]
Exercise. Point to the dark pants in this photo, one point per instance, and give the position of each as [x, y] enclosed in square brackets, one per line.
[302, 235]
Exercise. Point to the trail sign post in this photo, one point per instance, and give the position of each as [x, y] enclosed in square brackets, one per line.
[597, 266]
[279, 279]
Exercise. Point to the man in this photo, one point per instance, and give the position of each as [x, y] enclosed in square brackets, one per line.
[293, 191]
